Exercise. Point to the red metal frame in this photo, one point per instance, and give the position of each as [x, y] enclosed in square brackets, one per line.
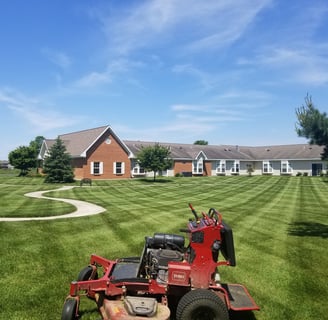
[197, 270]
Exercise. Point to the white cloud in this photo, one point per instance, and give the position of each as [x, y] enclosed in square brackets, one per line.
[57, 57]
[42, 120]
[207, 80]
[93, 79]
[188, 107]
[203, 118]
[113, 69]
[307, 64]
[34, 112]
[195, 24]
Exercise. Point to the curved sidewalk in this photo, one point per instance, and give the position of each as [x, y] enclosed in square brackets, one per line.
[83, 208]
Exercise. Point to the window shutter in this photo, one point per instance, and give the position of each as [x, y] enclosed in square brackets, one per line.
[114, 167]
[91, 168]
[123, 167]
[101, 167]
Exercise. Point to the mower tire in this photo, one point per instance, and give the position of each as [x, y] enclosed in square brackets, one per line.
[201, 304]
[69, 310]
[85, 274]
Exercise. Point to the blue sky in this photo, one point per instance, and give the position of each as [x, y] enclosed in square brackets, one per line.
[229, 72]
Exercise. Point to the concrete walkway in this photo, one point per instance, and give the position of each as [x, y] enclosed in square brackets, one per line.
[82, 208]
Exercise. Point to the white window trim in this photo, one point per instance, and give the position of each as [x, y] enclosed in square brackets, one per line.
[92, 168]
[289, 169]
[236, 167]
[122, 168]
[269, 167]
[137, 170]
[221, 166]
[198, 166]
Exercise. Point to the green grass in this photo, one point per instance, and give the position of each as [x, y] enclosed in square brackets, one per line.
[280, 229]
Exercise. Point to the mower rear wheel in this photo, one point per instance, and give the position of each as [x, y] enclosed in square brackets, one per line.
[85, 274]
[69, 310]
[201, 304]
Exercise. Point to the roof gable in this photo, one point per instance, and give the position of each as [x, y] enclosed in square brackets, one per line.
[78, 143]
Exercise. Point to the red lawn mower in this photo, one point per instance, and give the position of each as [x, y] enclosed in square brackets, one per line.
[169, 280]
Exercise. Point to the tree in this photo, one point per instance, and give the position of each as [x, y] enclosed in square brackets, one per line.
[57, 166]
[36, 146]
[154, 158]
[313, 125]
[250, 170]
[201, 142]
[23, 158]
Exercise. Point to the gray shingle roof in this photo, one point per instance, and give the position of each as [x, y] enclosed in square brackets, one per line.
[191, 151]
[284, 152]
[78, 143]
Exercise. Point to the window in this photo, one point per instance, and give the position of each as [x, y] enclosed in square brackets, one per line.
[285, 167]
[118, 168]
[267, 167]
[235, 167]
[138, 170]
[96, 168]
[221, 166]
[197, 167]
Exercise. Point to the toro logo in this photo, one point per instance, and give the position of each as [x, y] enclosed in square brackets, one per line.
[178, 276]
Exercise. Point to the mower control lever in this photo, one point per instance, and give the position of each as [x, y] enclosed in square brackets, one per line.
[193, 211]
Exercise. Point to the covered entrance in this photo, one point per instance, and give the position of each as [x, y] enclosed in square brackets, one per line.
[316, 169]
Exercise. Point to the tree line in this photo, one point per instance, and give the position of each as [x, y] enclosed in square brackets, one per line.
[56, 166]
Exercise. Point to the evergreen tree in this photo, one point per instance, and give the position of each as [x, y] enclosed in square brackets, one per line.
[154, 158]
[57, 166]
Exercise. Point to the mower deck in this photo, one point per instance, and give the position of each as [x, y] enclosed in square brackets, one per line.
[134, 308]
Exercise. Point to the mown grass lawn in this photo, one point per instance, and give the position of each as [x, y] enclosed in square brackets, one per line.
[280, 229]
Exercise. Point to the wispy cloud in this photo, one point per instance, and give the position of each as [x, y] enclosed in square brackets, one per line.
[189, 122]
[112, 70]
[207, 80]
[93, 79]
[227, 24]
[296, 55]
[203, 24]
[306, 65]
[57, 57]
[34, 112]
[206, 113]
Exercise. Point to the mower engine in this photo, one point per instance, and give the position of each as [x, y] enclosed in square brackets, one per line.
[159, 251]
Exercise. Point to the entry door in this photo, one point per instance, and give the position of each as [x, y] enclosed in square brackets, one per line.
[316, 169]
